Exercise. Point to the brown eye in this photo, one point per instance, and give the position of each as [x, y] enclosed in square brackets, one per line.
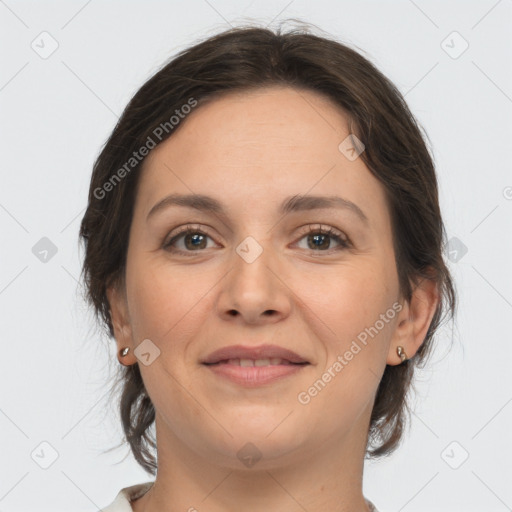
[188, 240]
[195, 241]
[319, 239]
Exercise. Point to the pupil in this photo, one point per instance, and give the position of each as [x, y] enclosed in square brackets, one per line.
[195, 238]
[317, 238]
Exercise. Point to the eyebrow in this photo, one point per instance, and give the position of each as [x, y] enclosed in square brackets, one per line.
[290, 204]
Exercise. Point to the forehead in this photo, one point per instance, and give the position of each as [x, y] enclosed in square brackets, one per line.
[261, 119]
[267, 142]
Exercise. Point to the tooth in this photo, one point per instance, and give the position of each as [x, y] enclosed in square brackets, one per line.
[262, 362]
[236, 362]
[246, 362]
[275, 360]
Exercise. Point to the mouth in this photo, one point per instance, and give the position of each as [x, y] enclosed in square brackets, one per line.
[254, 366]
[274, 361]
[262, 355]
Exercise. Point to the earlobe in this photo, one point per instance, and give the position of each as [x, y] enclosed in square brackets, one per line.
[121, 324]
[414, 321]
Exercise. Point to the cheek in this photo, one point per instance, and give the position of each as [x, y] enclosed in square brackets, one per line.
[348, 299]
[355, 339]
[166, 301]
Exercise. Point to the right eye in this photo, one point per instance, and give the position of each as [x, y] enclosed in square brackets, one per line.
[192, 239]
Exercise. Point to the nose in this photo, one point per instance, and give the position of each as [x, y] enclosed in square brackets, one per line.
[254, 291]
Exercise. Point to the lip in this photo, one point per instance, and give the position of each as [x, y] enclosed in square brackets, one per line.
[259, 352]
[254, 376]
[221, 364]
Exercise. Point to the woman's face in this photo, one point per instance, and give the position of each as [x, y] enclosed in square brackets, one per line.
[254, 273]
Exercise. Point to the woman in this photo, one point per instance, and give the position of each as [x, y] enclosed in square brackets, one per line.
[264, 241]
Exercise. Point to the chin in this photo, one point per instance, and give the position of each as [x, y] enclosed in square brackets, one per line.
[264, 446]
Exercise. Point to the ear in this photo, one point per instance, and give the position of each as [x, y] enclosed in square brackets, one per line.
[121, 322]
[414, 320]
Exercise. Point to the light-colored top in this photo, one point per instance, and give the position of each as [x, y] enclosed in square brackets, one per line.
[126, 495]
[134, 492]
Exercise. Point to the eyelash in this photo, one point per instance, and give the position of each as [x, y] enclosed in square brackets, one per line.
[344, 243]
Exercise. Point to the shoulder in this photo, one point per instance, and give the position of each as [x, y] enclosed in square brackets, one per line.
[125, 496]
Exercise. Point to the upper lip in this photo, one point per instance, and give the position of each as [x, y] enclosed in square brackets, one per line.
[259, 352]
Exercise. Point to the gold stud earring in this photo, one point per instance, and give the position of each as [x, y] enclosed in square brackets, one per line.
[401, 354]
[122, 353]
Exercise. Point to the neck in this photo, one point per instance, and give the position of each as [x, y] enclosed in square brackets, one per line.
[322, 479]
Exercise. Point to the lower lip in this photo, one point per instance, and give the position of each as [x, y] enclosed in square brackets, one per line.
[252, 376]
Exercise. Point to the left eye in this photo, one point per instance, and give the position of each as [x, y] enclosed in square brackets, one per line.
[318, 238]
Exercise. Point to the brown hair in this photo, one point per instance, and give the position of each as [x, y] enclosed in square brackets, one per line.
[395, 152]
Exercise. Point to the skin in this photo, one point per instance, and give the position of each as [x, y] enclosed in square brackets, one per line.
[250, 151]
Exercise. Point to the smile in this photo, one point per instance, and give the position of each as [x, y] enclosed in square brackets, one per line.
[255, 372]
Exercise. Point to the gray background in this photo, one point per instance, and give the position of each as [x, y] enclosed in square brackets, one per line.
[56, 113]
